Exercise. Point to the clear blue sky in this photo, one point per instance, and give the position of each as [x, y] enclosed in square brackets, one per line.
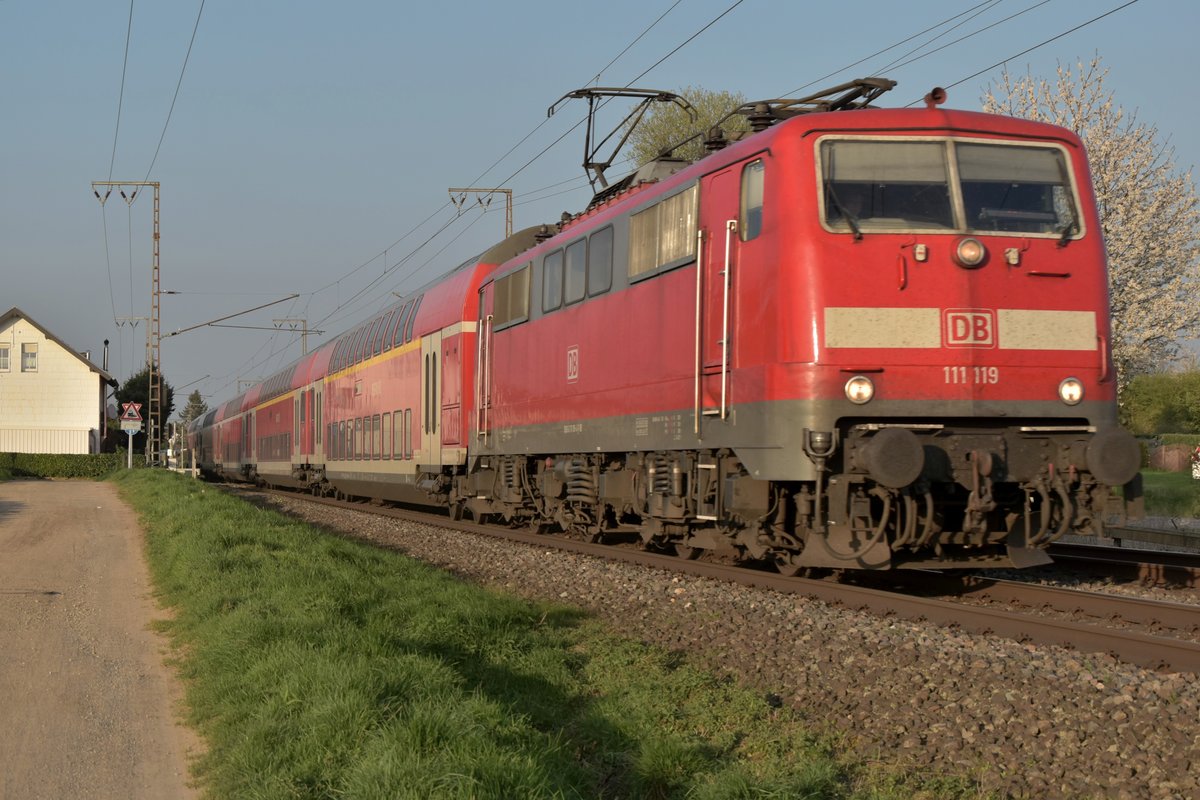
[309, 137]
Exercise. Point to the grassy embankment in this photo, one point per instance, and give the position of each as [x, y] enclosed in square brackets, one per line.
[1171, 494]
[319, 667]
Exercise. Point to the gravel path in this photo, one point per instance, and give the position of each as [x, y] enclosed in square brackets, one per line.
[1026, 721]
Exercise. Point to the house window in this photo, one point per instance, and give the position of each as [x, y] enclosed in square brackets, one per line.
[29, 357]
[4, 359]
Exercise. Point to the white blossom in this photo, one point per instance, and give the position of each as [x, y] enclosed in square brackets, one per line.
[1148, 210]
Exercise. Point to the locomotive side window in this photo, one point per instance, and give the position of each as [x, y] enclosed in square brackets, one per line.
[750, 224]
[552, 281]
[885, 185]
[576, 272]
[600, 262]
[1018, 189]
[663, 235]
[511, 298]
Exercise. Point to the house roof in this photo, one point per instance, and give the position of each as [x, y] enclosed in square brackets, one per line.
[16, 312]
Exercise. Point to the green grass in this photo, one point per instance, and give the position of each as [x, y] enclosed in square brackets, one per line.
[318, 667]
[1171, 494]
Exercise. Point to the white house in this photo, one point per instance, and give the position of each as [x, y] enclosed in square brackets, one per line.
[51, 397]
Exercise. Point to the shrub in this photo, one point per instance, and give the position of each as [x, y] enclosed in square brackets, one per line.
[59, 465]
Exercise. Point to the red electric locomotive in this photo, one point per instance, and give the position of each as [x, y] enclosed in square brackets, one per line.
[856, 338]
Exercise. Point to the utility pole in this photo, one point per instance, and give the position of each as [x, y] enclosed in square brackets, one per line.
[154, 432]
[296, 325]
[484, 198]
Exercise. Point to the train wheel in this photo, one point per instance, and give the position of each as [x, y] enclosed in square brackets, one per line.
[785, 565]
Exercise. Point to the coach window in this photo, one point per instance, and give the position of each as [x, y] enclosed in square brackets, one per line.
[510, 299]
[386, 454]
[372, 338]
[552, 281]
[408, 433]
[397, 435]
[398, 336]
[575, 285]
[29, 357]
[599, 270]
[412, 318]
[382, 325]
[750, 224]
[377, 437]
[389, 330]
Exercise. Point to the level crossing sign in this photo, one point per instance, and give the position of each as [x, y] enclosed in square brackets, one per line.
[131, 412]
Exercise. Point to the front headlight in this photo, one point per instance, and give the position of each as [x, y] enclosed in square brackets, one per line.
[859, 389]
[1070, 391]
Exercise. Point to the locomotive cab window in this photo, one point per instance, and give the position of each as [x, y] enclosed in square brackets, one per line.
[886, 186]
[894, 185]
[1017, 189]
[750, 224]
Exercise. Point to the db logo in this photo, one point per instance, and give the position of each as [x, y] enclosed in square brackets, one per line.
[572, 364]
[969, 327]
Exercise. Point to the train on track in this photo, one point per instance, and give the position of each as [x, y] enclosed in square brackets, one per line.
[852, 337]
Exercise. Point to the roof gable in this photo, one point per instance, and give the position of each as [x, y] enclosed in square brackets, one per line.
[16, 313]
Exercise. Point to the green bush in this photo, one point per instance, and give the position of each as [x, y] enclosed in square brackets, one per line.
[1192, 439]
[61, 465]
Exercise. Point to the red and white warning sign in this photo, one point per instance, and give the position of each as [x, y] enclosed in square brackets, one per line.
[131, 412]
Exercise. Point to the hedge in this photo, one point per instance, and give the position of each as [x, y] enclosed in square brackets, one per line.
[38, 465]
[1179, 438]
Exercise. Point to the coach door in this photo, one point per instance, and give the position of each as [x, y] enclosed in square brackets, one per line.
[483, 364]
[715, 272]
[431, 398]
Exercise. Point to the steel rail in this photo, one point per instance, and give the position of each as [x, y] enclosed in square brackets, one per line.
[1154, 652]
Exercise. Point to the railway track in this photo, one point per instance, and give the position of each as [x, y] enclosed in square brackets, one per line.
[1078, 622]
[1150, 567]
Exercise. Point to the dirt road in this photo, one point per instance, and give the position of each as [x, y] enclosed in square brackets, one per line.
[87, 707]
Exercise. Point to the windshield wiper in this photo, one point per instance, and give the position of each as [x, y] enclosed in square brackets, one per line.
[851, 220]
[1067, 229]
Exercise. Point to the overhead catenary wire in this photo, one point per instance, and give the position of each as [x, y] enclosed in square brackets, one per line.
[519, 170]
[1035, 47]
[178, 84]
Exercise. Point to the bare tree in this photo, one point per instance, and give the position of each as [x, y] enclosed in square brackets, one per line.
[1148, 210]
[666, 124]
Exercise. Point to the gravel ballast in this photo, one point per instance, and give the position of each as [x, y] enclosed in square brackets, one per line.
[1024, 720]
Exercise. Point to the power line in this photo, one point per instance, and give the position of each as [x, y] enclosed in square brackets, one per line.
[889, 47]
[121, 95]
[968, 36]
[1035, 47]
[178, 84]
